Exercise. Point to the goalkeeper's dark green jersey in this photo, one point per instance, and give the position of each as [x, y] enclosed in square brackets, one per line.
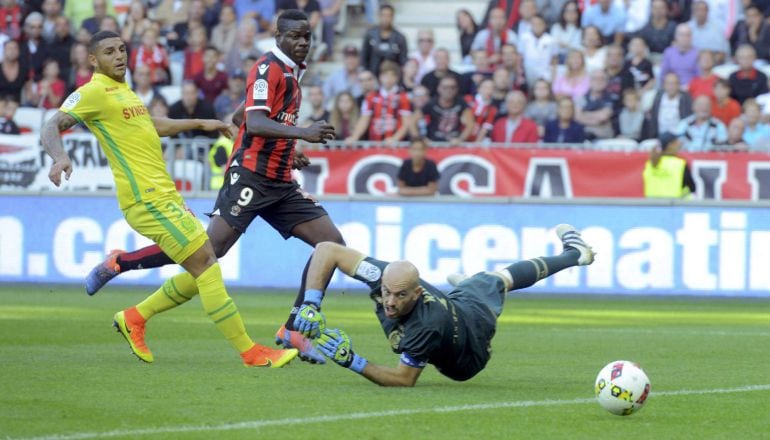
[450, 331]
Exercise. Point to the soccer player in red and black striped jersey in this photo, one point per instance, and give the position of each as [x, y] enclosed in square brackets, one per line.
[258, 181]
[385, 113]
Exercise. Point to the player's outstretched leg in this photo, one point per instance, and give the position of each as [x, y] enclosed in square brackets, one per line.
[118, 262]
[103, 272]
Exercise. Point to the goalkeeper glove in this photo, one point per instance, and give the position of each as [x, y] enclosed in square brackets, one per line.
[309, 321]
[335, 344]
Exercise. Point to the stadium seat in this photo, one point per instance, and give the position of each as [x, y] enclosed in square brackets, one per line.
[177, 73]
[725, 70]
[616, 145]
[188, 175]
[172, 93]
[29, 118]
[647, 145]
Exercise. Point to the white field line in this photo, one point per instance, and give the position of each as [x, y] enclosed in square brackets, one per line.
[256, 424]
[761, 334]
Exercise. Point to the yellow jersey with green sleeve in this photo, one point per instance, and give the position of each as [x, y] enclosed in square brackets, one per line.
[122, 124]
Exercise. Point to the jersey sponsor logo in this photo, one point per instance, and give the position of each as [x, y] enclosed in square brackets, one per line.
[134, 111]
[109, 89]
[286, 118]
[262, 68]
[260, 89]
[71, 101]
[368, 271]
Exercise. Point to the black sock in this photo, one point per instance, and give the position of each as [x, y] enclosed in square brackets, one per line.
[527, 272]
[145, 258]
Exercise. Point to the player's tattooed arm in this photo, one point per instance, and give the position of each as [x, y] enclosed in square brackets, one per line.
[258, 124]
[51, 140]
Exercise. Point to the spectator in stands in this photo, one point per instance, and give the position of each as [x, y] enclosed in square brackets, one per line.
[566, 32]
[723, 106]
[666, 175]
[515, 128]
[538, 49]
[418, 175]
[735, 139]
[639, 65]
[703, 84]
[211, 81]
[573, 82]
[318, 110]
[192, 107]
[551, 10]
[211, 13]
[631, 118]
[109, 23]
[747, 82]
[483, 110]
[542, 107]
[81, 70]
[344, 115]
[755, 130]
[447, 117]
[752, 30]
[527, 10]
[764, 103]
[261, 11]
[609, 18]
[669, 106]
[659, 31]
[330, 15]
[153, 55]
[244, 47]
[368, 84]
[420, 98]
[470, 80]
[34, 50]
[595, 110]
[681, 57]
[79, 11]
[594, 51]
[179, 37]
[143, 85]
[618, 77]
[52, 9]
[193, 53]
[514, 66]
[159, 107]
[91, 24]
[637, 16]
[467, 28]
[385, 114]
[167, 13]
[442, 70]
[383, 42]
[700, 131]
[223, 34]
[424, 55]
[49, 92]
[14, 72]
[496, 35]
[409, 75]
[501, 88]
[345, 79]
[229, 100]
[706, 34]
[135, 23]
[10, 19]
[564, 129]
[7, 110]
[61, 46]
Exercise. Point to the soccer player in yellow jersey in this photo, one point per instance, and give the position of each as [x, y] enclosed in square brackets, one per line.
[148, 198]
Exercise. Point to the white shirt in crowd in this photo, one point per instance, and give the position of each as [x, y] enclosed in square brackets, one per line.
[668, 114]
[538, 54]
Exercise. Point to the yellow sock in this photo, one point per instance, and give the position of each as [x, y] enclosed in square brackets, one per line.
[176, 291]
[221, 308]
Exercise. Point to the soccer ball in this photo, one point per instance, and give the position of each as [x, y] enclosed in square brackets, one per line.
[622, 388]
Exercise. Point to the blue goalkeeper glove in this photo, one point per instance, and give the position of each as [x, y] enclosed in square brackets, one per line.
[335, 344]
[310, 322]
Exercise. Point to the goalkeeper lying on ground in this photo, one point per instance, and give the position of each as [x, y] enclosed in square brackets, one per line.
[452, 331]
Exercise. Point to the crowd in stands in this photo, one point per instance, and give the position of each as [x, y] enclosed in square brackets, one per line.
[528, 71]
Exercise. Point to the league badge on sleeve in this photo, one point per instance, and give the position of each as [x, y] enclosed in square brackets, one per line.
[260, 89]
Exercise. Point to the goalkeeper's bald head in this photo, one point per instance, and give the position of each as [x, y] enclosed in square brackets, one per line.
[401, 275]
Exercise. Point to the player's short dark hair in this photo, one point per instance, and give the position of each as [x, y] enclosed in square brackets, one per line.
[99, 36]
[288, 16]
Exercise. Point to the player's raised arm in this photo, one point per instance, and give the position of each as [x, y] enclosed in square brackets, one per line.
[337, 346]
[170, 127]
[50, 137]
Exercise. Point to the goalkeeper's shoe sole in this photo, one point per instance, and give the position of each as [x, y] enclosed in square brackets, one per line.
[571, 238]
[456, 278]
[293, 339]
[102, 273]
[261, 356]
[134, 335]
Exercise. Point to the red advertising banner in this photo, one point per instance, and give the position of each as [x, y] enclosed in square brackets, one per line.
[532, 173]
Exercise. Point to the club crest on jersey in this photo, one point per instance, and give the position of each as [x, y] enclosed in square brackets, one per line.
[235, 211]
[260, 89]
[262, 68]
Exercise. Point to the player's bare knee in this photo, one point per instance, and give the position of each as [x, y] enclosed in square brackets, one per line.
[325, 247]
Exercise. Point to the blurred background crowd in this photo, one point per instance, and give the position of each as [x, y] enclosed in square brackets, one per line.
[516, 71]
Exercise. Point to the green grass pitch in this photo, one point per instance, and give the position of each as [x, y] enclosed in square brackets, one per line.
[67, 375]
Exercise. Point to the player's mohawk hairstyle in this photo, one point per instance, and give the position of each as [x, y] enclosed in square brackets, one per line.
[290, 15]
[99, 36]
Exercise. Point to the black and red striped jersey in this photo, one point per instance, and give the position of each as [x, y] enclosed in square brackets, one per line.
[272, 86]
[386, 109]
